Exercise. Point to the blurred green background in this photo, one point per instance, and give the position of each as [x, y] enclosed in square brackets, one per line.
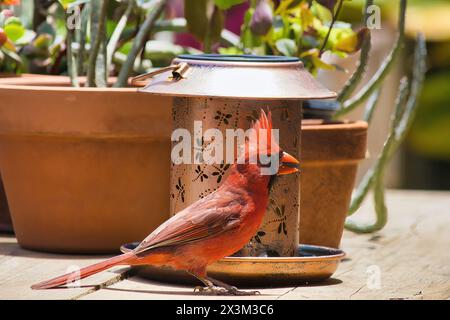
[424, 160]
[426, 154]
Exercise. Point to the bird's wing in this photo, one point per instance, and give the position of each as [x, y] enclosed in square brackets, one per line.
[208, 217]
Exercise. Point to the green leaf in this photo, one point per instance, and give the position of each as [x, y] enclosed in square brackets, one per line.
[287, 47]
[66, 3]
[226, 4]
[43, 41]
[230, 50]
[216, 25]
[13, 20]
[14, 31]
[204, 20]
[249, 39]
[12, 55]
[324, 14]
[47, 28]
[309, 42]
[285, 6]
[329, 4]
[195, 12]
[318, 63]
[347, 43]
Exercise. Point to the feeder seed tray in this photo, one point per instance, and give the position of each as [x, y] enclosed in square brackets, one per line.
[312, 264]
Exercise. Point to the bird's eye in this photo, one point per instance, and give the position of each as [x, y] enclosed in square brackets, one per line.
[268, 165]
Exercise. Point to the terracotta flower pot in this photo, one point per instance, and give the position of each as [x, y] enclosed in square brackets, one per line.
[5, 217]
[330, 156]
[85, 170]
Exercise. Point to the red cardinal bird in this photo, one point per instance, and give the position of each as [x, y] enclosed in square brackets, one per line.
[211, 228]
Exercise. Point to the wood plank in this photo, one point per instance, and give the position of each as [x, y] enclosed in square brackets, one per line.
[20, 268]
[411, 254]
[136, 288]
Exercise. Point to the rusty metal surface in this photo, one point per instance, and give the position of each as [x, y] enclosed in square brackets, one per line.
[193, 181]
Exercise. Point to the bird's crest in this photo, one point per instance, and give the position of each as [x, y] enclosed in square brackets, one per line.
[264, 121]
[266, 142]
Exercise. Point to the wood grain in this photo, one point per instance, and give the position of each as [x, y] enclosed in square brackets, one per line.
[409, 259]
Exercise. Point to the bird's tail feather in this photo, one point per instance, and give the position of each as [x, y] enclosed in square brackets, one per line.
[84, 272]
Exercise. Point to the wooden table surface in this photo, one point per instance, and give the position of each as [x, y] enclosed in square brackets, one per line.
[409, 259]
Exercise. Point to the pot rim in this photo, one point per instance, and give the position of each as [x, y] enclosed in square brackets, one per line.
[65, 112]
[333, 142]
[327, 125]
[56, 84]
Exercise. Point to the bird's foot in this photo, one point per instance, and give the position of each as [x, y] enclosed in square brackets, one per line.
[236, 292]
[212, 290]
[221, 291]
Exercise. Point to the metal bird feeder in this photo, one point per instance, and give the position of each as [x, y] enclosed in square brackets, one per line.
[228, 92]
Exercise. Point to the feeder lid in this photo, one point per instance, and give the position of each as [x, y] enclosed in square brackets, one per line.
[235, 76]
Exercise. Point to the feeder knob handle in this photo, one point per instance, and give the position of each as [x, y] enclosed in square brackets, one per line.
[178, 72]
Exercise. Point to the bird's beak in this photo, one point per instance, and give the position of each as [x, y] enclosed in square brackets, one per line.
[288, 164]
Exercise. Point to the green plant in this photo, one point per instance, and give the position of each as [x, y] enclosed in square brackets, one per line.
[24, 49]
[101, 46]
[401, 120]
[205, 19]
[11, 33]
[405, 107]
[33, 50]
[306, 29]
[100, 38]
[91, 50]
[125, 47]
